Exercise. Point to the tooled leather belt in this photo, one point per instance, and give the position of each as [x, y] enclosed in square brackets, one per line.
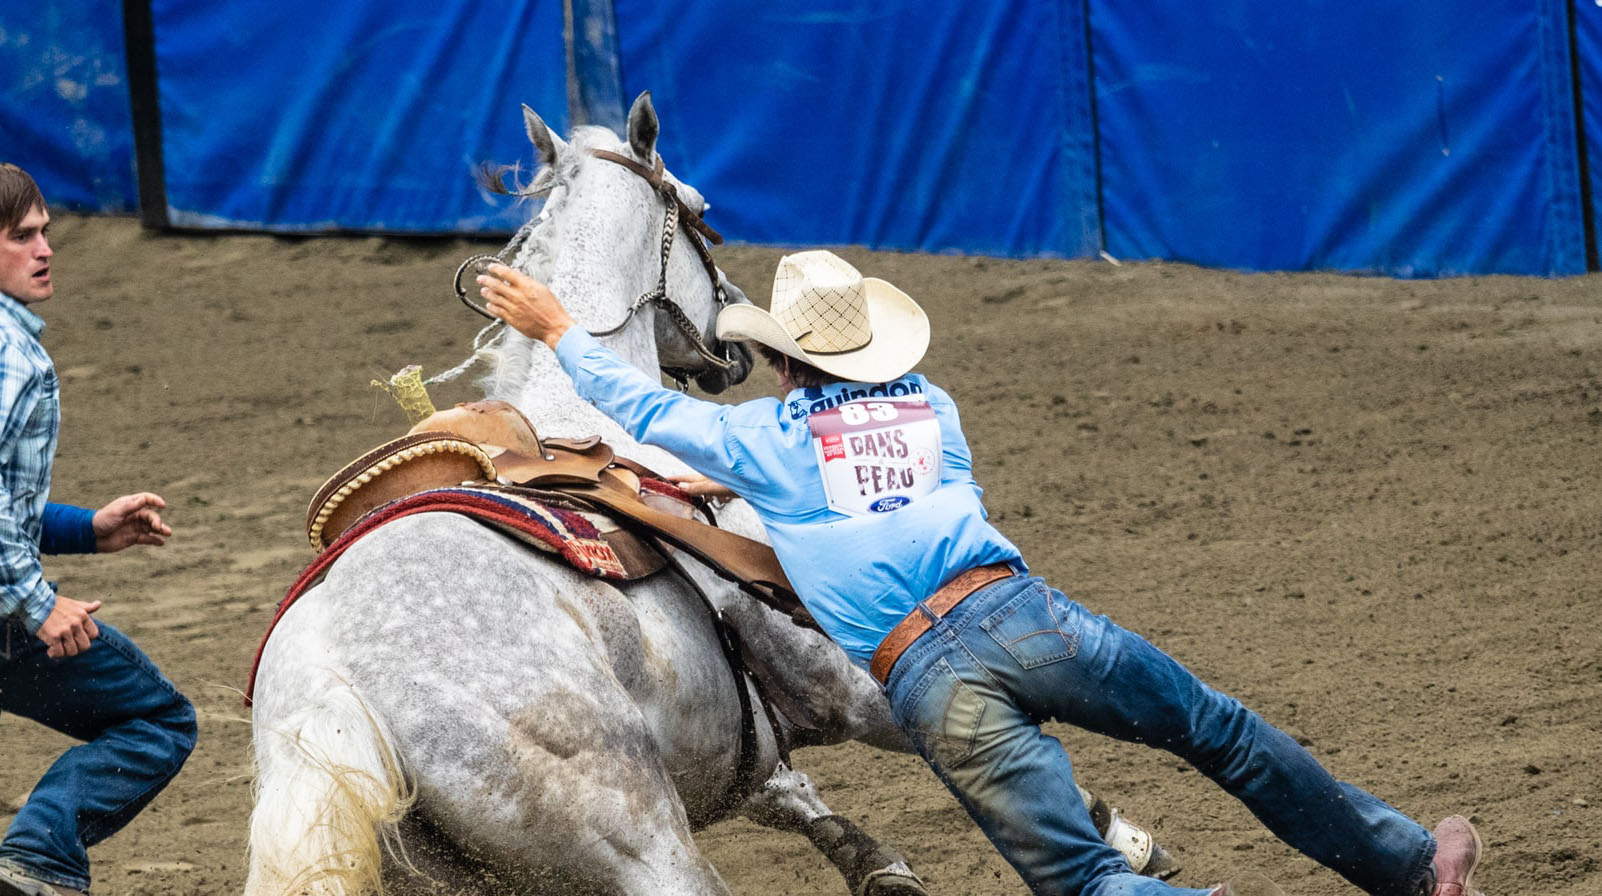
[918, 621]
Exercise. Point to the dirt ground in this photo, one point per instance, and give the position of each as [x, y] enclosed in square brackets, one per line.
[1367, 507]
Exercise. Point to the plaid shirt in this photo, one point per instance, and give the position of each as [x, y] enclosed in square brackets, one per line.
[30, 418]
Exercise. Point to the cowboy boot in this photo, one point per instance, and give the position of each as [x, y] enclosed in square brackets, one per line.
[1457, 853]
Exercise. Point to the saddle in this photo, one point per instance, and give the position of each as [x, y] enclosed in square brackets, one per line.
[490, 444]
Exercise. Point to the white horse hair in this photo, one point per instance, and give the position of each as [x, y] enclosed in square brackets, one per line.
[508, 725]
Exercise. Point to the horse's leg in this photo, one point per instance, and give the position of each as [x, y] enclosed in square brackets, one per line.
[523, 741]
[828, 698]
[576, 823]
[788, 801]
[526, 727]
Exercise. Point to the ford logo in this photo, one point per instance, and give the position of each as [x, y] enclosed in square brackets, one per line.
[885, 505]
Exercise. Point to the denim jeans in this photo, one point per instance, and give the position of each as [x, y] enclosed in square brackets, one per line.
[137, 731]
[972, 693]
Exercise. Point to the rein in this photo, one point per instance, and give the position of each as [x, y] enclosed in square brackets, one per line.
[696, 229]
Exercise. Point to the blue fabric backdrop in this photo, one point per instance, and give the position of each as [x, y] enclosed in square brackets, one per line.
[899, 124]
[374, 119]
[1588, 45]
[64, 113]
[1415, 139]
[1411, 138]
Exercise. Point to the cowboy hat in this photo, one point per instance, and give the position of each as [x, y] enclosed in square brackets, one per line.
[827, 314]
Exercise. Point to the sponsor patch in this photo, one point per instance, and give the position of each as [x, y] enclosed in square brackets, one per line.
[876, 454]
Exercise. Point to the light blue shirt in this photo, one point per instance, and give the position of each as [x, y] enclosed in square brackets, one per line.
[30, 418]
[857, 575]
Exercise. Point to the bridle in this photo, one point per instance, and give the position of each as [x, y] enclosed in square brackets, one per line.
[698, 233]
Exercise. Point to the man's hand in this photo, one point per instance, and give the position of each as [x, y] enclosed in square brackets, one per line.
[130, 520]
[68, 629]
[527, 305]
[702, 487]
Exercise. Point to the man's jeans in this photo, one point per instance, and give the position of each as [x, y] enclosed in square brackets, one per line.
[973, 691]
[137, 728]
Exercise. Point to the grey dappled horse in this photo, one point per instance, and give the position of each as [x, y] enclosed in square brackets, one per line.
[448, 711]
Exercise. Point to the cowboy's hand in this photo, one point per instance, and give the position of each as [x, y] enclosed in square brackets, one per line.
[130, 520]
[702, 487]
[69, 628]
[527, 305]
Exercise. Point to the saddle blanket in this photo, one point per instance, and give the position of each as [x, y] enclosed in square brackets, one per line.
[574, 536]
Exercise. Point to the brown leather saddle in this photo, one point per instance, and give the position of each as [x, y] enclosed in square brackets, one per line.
[491, 442]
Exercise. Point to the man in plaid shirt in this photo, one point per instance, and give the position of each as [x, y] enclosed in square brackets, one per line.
[57, 664]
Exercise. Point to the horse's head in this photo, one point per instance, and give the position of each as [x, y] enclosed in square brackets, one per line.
[621, 238]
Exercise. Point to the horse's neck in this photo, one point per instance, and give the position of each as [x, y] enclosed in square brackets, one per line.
[596, 275]
[545, 394]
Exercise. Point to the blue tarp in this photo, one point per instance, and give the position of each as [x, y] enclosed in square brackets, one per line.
[1414, 139]
[898, 124]
[311, 115]
[1588, 49]
[64, 112]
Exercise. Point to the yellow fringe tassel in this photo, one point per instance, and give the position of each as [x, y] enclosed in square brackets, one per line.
[407, 388]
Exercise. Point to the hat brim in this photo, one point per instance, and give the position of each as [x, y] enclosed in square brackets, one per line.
[899, 326]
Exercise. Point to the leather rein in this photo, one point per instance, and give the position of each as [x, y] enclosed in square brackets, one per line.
[698, 232]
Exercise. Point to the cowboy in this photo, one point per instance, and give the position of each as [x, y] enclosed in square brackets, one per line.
[59, 666]
[864, 482]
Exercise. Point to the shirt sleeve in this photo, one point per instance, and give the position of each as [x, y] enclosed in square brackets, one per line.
[23, 592]
[957, 458]
[67, 530]
[693, 430]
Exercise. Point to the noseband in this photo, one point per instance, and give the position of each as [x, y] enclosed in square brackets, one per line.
[678, 213]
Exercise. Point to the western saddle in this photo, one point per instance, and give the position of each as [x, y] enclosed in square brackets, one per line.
[490, 444]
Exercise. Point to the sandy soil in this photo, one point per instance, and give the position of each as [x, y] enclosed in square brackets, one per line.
[1367, 507]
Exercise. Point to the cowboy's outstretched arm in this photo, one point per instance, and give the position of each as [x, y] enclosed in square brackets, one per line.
[694, 430]
[684, 426]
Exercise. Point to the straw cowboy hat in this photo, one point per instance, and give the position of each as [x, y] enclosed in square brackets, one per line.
[827, 314]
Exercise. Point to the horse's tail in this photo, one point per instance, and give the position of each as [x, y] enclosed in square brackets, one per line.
[329, 793]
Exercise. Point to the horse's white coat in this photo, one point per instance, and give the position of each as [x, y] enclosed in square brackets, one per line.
[540, 730]
[505, 724]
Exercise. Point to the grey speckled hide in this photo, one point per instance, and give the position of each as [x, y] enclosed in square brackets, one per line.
[448, 712]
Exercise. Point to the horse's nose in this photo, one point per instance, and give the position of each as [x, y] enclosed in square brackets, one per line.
[715, 379]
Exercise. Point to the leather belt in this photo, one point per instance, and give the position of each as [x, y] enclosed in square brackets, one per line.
[940, 603]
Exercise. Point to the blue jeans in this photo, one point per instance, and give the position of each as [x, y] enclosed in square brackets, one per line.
[972, 692]
[137, 731]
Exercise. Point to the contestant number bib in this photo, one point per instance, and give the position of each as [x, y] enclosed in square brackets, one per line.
[877, 454]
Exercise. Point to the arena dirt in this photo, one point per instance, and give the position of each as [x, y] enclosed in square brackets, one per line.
[1367, 507]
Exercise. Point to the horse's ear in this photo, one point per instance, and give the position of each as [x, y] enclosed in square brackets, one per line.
[643, 127]
[544, 139]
